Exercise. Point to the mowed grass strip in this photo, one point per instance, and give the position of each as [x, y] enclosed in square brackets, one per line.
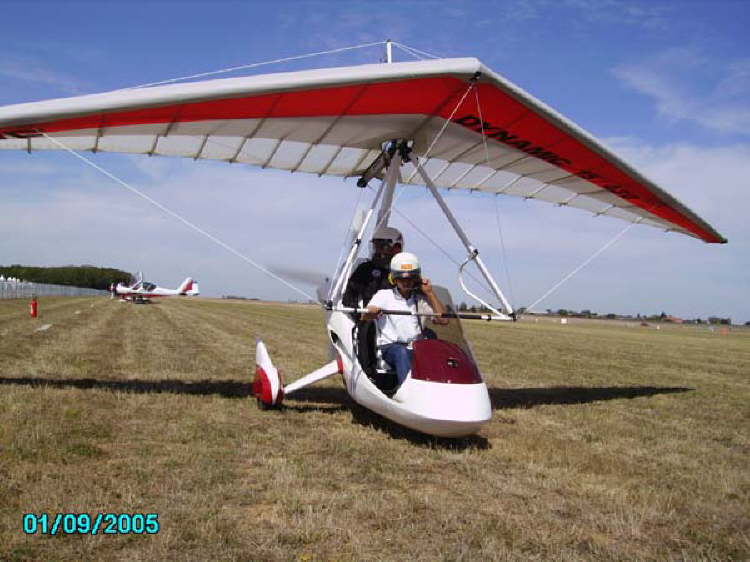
[606, 441]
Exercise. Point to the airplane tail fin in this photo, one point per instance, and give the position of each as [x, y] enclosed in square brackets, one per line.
[267, 387]
[194, 290]
[186, 286]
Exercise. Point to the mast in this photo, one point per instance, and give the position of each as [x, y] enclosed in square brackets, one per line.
[389, 182]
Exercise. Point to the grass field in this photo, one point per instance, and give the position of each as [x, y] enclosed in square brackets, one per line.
[607, 441]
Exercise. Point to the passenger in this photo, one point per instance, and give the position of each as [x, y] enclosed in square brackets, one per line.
[372, 275]
[397, 332]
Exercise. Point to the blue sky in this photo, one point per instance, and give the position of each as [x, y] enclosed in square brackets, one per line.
[665, 84]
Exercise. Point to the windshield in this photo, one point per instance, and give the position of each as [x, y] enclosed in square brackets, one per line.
[452, 331]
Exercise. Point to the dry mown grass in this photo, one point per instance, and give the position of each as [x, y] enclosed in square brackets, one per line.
[606, 442]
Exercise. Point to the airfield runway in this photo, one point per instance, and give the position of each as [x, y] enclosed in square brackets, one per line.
[607, 441]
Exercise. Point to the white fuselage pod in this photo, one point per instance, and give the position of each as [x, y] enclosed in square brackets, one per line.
[435, 408]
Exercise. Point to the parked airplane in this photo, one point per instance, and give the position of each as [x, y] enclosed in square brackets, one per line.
[141, 291]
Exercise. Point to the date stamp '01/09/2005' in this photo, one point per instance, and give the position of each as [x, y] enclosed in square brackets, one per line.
[86, 524]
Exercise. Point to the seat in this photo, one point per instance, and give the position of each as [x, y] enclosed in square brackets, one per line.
[370, 359]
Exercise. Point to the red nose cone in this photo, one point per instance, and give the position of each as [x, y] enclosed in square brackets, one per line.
[263, 390]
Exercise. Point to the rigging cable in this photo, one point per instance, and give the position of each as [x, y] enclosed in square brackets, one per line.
[504, 255]
[415, 51]
[176, 216]
[256, 64]
[408, 51]
[503, 251]
[584, 264]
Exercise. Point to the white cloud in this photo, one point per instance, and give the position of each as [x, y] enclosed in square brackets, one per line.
[688, 86]
[646, 15]
[32, 69]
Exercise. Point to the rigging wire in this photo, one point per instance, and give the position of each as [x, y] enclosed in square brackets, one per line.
[418, 51]
[256, 64]
[504, 255]
[408, 51]
[176, 216]
[584, 264]
[504, 258]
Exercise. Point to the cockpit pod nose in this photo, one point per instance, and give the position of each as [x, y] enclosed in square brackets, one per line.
[444, 393]
[443, 361]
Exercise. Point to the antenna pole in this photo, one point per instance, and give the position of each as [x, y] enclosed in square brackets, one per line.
[388, 51]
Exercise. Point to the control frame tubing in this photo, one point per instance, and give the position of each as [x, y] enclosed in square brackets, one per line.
[473, 252]
[468, 292]
[446, 211]
[488, 276]
[464, 316]
[346, 269]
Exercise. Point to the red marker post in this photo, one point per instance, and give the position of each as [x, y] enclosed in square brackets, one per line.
[33, 307]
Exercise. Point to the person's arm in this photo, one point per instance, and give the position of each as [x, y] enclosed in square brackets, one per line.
[433, 301]
[373, 308]
[372, 313]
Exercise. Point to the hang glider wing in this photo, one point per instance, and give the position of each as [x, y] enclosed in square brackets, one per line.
[499, 139]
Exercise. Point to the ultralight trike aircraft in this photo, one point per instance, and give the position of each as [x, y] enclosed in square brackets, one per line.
[446, 123]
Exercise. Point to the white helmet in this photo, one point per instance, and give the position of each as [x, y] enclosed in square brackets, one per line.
[405, 265]
[390, 234]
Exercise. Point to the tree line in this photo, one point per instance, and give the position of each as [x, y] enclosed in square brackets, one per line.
[85, 276]
[663, 317]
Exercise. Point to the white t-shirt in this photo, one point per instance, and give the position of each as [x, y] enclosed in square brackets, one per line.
[395, 328]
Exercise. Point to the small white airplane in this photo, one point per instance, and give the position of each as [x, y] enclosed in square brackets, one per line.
[445, 123]
[140, 291]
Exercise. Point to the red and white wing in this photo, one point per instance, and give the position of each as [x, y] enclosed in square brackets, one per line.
[499, 139]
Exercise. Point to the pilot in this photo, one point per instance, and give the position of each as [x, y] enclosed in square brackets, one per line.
[397, 332]
[372, 275]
